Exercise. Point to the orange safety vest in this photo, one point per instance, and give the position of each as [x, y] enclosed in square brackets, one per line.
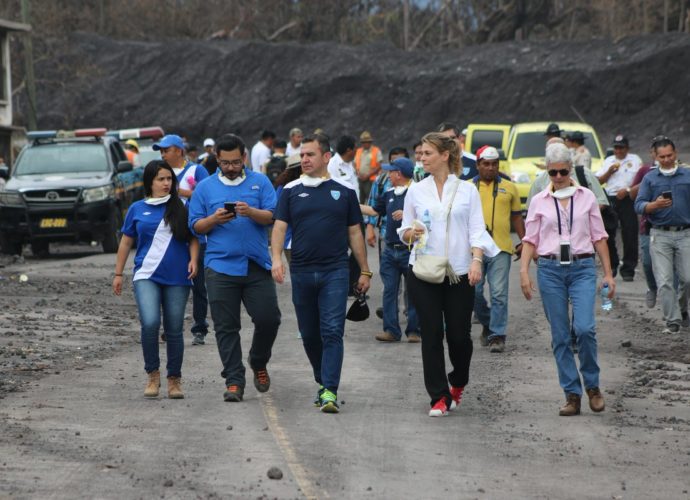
[375, 165]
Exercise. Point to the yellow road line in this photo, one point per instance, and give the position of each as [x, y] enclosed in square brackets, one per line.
[298, 471]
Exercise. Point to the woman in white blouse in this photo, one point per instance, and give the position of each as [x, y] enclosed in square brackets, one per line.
[445, 307]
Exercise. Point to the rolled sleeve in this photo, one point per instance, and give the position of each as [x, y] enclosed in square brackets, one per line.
[532, 227]
[197, 209]
[596, 223]
[479, 237]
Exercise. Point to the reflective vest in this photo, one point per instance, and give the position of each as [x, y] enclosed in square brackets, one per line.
[374, 165]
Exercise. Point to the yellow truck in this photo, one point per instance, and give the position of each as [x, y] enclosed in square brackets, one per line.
[523, 146]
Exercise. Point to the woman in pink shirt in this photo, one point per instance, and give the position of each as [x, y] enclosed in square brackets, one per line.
[563, 230]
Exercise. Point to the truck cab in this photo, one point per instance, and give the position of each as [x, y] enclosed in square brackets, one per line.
[67, 186]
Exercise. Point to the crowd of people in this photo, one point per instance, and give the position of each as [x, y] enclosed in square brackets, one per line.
[442, 222]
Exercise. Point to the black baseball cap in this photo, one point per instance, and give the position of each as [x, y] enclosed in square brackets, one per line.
[620, 140]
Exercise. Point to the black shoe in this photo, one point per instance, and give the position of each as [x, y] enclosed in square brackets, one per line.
[379, 312]
[627, 277]
[198, 339]
[262, 381]
[484, 337]
[233, 394]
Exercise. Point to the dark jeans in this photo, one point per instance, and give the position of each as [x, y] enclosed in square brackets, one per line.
[438, 306]
[394, 265]
[257, 292]
[627, 218]
[199, 297]
[151, 298]
[320, 300]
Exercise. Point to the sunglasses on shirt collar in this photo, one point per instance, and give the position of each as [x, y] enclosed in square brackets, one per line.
[564, 172]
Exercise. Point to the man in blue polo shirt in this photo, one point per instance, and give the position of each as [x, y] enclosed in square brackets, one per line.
[188, 175]
[664, 197]
[232, 208]
[325, 219]
[395, 256]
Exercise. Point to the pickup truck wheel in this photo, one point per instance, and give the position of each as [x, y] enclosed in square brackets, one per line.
[40, 248]
[111, 239]
[9, 247]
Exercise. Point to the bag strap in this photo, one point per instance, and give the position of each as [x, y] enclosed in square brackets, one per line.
[581, 178]
[450, 208]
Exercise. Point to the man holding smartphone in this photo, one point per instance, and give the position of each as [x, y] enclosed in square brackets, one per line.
[664, 197]
[232, 208]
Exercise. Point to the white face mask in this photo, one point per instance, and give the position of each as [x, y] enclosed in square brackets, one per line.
[400, 190]
[668, 173]
[231, 182]
[157, 201]
[564, 193]
[312, 181]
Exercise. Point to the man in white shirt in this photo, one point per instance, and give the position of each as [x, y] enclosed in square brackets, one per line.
[293, 147]
[340, 166]
[618, 173]
[261, 151]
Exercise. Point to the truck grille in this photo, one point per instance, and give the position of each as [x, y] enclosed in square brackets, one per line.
[51, 195]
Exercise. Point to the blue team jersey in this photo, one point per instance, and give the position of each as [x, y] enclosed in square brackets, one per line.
[320, 217]
[160, 257]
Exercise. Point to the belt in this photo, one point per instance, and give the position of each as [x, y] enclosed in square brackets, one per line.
[574, 257]
[672, 228]
[397, 246]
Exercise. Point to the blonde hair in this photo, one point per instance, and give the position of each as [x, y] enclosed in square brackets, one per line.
[443, 143]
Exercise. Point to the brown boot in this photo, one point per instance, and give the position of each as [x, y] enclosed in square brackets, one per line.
[571, 407]
[153, 384]
[596, 400]
[175, 388]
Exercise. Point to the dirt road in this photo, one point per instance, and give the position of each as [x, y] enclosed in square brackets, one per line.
[74, 424]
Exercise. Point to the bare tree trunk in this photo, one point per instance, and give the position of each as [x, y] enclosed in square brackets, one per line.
[406, 24]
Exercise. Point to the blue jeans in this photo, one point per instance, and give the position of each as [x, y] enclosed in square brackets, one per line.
[647, 262]
[150, 297]
[199, 296]
[577, 281]
[495, 272]
[395, 264]
[320, 300]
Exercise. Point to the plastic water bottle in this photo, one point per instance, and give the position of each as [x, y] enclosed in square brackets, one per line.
[606, 303]
[426, 219]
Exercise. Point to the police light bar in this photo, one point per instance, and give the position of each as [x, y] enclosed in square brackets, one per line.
[137, 133]
[90, 132]
[41, 134]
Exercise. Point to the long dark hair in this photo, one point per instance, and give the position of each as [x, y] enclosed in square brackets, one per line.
[287, 175]
[175, 211]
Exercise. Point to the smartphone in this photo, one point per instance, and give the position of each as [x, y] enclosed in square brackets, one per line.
[566, 258]
[667, 194]
[230, 206]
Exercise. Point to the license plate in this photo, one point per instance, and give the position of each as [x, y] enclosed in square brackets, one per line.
[52, 223]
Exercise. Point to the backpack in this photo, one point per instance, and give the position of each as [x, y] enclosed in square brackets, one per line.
[275, 166]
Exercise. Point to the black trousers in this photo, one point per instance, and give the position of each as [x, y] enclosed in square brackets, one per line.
[444, 309]
[627, 219]
[257, 291]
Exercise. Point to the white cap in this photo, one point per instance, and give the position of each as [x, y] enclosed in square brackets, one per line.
[487, 153]
[209, 142]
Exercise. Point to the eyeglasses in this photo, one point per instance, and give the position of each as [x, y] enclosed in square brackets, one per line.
[230, 163]
[564, 172]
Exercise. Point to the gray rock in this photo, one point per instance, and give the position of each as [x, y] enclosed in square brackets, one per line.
[275, 473]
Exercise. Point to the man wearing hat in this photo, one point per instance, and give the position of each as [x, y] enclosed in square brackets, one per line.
[618, 173]
[208, 157]
[579, 152]
[553, 130]
[132, 152]
[188, 176]
[395, 256]
[501, 208]
[368, 159]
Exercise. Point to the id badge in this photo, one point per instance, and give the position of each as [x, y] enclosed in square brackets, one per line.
[566, 256]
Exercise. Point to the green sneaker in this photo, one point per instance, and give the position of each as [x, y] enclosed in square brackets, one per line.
[329, 402]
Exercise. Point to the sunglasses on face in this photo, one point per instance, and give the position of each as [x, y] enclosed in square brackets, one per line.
[564, 172]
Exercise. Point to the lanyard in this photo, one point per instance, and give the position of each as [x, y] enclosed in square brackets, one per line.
[558, 214]
[493, 206]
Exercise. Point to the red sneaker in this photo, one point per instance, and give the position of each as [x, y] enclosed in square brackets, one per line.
[439, 409]
[456, 395]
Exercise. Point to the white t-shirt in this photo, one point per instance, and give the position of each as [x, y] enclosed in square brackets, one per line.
[467, 227]
[625, 175]
[344, 172]
[260, 154]
[292, 150]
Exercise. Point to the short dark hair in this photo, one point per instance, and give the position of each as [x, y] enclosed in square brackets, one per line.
[230, 142]
[344, 143]
[280, 144]
[416, 145]
[398, 150]
[449, 126]
[268, 134]
[322, 139]
[191, 148]
[662, 143]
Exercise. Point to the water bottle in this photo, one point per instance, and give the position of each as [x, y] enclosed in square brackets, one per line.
[606, 303]
[426, 219]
